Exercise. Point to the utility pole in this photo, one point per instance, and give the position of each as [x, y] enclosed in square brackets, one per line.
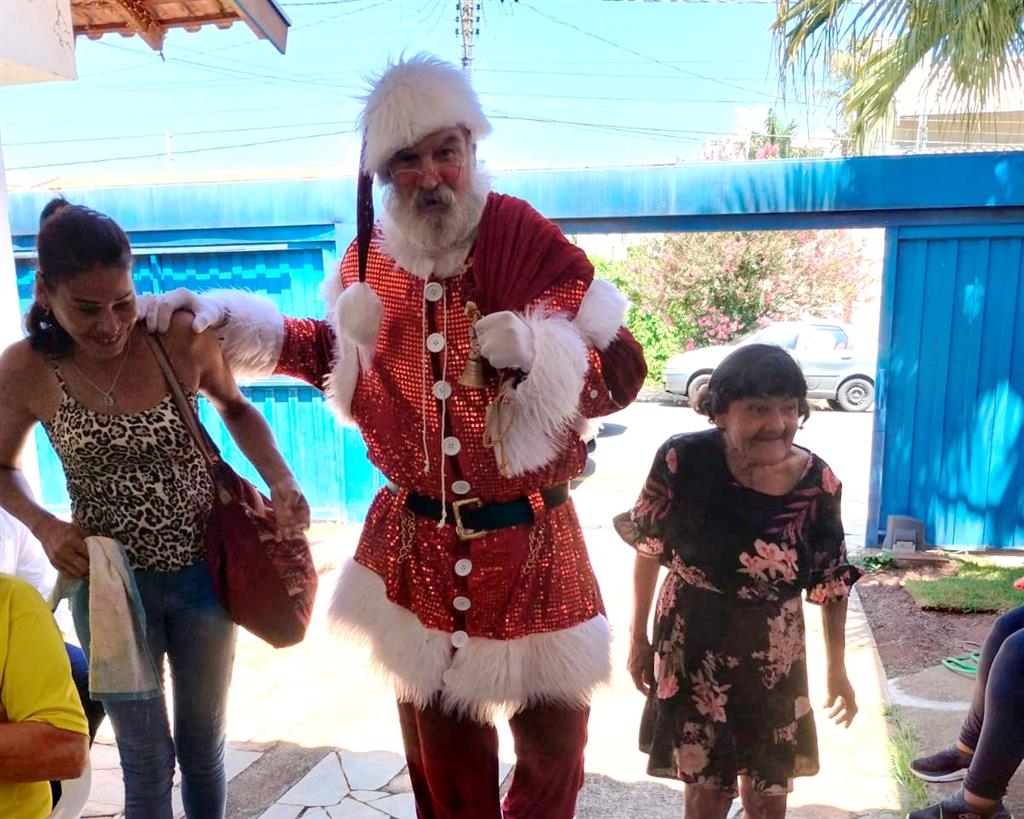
[469, 20]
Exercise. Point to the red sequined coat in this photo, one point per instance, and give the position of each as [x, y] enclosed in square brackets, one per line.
[514, 617]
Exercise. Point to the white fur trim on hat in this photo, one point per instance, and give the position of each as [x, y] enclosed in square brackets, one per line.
[412, 99]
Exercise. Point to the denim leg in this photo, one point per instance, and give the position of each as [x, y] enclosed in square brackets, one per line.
[201, 653]
[141, 727]
[94, 712]
[1003, 627]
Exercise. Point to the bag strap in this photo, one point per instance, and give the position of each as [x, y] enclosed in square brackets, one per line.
[188, 414]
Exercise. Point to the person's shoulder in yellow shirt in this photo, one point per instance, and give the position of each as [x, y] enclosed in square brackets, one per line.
[43, 731]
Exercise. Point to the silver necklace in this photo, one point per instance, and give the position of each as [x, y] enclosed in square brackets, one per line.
[108, 394]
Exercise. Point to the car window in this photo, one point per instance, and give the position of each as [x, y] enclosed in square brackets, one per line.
[783, 335]
[823, 339]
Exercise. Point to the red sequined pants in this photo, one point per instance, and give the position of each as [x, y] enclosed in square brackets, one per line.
[453, 763]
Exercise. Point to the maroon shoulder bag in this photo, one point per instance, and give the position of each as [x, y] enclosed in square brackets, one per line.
[266, 583]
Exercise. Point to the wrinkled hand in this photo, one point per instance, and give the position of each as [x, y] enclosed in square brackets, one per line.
[156, 309]
[359, 312]
[641, 663]
[64, 544]
[842, 701]
[506, 341]
[290, 508]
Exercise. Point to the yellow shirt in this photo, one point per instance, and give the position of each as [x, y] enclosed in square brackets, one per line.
[35, 685]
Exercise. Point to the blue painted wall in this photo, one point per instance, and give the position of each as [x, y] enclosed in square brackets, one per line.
[947, 425]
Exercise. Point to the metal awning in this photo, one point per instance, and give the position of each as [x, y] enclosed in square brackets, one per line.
[151, 19]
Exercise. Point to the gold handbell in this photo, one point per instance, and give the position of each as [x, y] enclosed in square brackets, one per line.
[473, 373]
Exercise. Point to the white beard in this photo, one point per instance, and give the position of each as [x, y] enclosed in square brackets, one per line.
[434, 244]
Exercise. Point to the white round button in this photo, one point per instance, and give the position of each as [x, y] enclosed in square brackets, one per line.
[433, 291]
[451, 445]
[442, 390]
[459, 639]
[593, 393]
[461, 603]
[463, 566]
[460, 487]
[435, 342]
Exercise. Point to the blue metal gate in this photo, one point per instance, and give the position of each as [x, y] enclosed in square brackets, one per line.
[951, 373]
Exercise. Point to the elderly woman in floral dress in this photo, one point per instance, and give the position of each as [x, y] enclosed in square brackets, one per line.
[744, 521]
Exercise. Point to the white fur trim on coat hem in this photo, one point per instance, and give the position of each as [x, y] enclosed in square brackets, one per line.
[252, 336]
[482, 680]
[537, 414]
[602, 312]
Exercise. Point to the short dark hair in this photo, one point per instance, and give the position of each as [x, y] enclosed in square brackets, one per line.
[752, 371]
[58, 203]
[72, 240]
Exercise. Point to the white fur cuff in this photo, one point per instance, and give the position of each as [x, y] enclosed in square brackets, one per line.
[481, 680]
[252, 335]
[602, 312]
[534, 417]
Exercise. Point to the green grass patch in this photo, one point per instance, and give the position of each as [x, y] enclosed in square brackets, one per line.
[976, 587]
[903, 751]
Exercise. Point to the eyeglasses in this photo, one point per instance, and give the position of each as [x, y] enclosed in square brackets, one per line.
[447, 172]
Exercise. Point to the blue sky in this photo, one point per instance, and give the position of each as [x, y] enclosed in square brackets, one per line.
[566, 83]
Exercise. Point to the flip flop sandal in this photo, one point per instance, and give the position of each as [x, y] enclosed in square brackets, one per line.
[965, 666]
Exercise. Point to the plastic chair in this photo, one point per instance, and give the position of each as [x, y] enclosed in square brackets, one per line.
[74, 793]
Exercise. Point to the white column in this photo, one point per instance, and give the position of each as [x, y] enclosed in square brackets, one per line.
[10, 314]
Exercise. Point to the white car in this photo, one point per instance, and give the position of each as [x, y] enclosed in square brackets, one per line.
[835, 367]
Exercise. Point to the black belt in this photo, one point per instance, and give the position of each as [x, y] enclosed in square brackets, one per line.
[472, 517]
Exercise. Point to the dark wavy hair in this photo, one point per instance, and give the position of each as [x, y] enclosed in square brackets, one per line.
[753, 371]
[72, 240]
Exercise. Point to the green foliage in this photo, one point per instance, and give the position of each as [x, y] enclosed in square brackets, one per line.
[902, 751]
[976, 586]
[874, 562]
[658, 338]
[968, 48]
[696, 289]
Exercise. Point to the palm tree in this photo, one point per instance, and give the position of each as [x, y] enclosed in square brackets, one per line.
[969, 48]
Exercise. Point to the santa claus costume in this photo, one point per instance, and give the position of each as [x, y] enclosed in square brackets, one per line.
[471, 581]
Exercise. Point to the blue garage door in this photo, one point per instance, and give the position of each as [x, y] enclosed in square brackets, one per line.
[329, 460]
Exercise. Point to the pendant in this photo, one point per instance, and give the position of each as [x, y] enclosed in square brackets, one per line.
[108, 399]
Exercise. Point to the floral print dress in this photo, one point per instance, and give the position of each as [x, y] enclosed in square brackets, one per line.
[730, 658]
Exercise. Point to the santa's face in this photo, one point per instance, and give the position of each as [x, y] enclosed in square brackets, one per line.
[432, 171]
[432, 195]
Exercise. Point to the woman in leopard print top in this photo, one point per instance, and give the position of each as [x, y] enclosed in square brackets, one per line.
[86, 373]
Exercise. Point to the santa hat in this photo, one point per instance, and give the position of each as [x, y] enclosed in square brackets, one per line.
[410, 100]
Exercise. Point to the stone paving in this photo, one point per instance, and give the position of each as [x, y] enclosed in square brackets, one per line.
[313, 733]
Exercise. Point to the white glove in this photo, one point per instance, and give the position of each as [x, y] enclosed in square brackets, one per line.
[157, 309]
[358, 314]
[506, 341]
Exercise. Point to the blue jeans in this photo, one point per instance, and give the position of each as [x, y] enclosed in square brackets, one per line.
[185, 623]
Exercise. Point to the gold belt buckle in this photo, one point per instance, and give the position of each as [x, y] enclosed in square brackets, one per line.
[460, 530]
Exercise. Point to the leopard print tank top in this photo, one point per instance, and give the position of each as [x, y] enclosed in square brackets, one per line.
[138, 478]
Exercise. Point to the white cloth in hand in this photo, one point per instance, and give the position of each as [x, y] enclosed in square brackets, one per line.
[506, 341]
[156, 309]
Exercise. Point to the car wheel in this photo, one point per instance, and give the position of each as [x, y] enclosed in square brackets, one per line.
[856, 395]
[697, 387]
[833, 404]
